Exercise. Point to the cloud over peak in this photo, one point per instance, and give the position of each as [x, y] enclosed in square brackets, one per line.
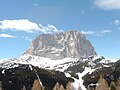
[108, 4]
[48, 29]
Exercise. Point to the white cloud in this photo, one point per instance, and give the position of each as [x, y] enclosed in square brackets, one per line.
[49, 29]
[19, 25]
[117, 22]
[6, 36]
[26, 26]
[97, 33]
[108, 4]
[105, 31]
[88, 32]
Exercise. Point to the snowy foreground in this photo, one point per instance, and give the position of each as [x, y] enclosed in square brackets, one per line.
[60, 65]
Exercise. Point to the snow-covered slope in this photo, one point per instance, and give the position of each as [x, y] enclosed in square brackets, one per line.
[47, 63]
[73, 66]
[40, 62]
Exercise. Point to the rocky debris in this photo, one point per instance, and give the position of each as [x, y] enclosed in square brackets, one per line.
[22, 78]
[61, 45]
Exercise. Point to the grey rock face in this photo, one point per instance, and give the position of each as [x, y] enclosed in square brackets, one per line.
[61, 45]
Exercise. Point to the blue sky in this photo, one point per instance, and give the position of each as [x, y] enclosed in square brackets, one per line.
[22, 20]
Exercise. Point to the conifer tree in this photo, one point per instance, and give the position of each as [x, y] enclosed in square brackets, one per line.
[112, 86]
[36, 85]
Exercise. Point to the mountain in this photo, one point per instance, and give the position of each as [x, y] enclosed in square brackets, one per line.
[62, 61]
[72, 44]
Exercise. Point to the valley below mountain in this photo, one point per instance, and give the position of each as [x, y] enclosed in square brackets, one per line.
[62, 61]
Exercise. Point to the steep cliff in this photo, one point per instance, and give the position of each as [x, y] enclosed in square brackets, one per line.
[61, 45]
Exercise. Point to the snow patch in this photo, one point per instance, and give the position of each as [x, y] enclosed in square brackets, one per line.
[67, 75]
[76, 85]
[80, 75]
[3, 71]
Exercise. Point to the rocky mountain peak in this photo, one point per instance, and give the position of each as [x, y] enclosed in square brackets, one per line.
[61, 45]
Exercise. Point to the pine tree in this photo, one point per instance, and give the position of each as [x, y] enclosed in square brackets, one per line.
[69, 86]
[102, 84]
[24, 88]
[57, 86]
[1, 85]
[118, 84]
[112, 86]
[36, 85]
[61, 87]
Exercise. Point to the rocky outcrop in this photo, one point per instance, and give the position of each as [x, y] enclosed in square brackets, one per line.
[61, 45]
